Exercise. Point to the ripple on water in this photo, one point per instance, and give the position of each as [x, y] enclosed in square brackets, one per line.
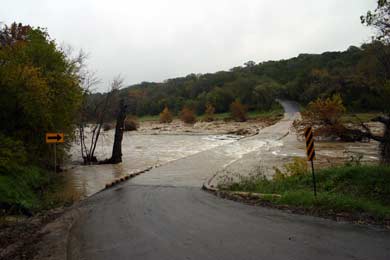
[139, 153]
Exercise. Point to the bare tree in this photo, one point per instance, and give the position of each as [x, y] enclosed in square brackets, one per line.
[100, 114]
[116, 156]
[127, 104]
[384, 141]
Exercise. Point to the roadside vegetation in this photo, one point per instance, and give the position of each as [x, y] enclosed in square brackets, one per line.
[40, 93]
[359, 192]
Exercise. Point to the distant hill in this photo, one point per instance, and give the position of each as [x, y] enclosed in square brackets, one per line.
[357, 74]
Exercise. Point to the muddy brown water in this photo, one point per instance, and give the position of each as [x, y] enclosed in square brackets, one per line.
[139, 152]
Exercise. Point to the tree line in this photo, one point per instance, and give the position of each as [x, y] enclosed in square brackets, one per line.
[357, 74]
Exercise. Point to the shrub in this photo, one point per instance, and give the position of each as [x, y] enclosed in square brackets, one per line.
[11, 152]
[107, 127]
[325, 114]
[166, 116]
[295, 168]
[20, 188]
[238, 111]
[187, 115]
[131, 124]
[209, 113]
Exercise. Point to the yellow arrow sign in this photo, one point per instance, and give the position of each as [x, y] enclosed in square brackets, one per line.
[52, 138]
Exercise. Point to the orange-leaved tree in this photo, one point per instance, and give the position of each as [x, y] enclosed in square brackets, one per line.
[324, 115]
[187, 115]
[238, 111]
[209, 113]
[166, 116]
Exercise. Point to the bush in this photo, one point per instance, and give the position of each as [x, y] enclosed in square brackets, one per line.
[107, 127]
[325, 115]
[21, 187]
[12, 152]
[131, 124]
[238, 111]
[187, 115]
[297, 167]
[166, 116]
[209, 113]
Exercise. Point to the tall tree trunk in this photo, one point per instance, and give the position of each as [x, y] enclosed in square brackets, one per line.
[384, 141]
[116, 156]
[385, 144]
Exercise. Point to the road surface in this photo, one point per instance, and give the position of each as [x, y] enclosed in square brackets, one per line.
[163, 214]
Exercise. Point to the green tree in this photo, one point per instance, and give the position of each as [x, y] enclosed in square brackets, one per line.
[40, 88]
[379, 19]
[40, 92]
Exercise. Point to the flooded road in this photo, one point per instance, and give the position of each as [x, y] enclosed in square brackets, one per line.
[139, 152]
[223, 154]
[163, 214]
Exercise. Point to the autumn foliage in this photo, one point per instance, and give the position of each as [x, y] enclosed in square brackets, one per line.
[187, 115]
[238, 111]
[324, 115]
[209, 113]
[166, 116]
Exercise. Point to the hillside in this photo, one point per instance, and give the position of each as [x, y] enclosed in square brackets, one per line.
[357, 74]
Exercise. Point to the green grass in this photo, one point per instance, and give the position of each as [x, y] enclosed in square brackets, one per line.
[356, 118]
[354, 189]
[20, 188]
[149, 118]
[29, 189]
[275, 113]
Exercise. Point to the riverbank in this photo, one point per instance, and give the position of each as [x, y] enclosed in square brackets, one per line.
[220, 126]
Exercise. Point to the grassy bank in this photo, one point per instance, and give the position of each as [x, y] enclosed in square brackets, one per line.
[361, 190]
[29, 189]
[25, 188]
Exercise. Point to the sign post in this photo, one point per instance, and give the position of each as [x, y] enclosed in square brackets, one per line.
[311, 154]
[54, 138]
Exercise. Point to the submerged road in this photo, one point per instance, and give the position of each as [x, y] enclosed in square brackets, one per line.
[163, 214]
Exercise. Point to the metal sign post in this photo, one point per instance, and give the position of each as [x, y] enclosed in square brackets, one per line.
[55, 158]
[311, 154]
[54, 138]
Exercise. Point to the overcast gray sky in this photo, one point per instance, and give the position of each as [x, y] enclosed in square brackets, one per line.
[152, 40]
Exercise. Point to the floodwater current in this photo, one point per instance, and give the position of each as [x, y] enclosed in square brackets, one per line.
[272, 147]
[139, 152]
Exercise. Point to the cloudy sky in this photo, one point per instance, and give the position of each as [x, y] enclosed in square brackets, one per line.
[152, 40]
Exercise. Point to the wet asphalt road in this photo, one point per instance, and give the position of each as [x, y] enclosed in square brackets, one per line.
[163, 214]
